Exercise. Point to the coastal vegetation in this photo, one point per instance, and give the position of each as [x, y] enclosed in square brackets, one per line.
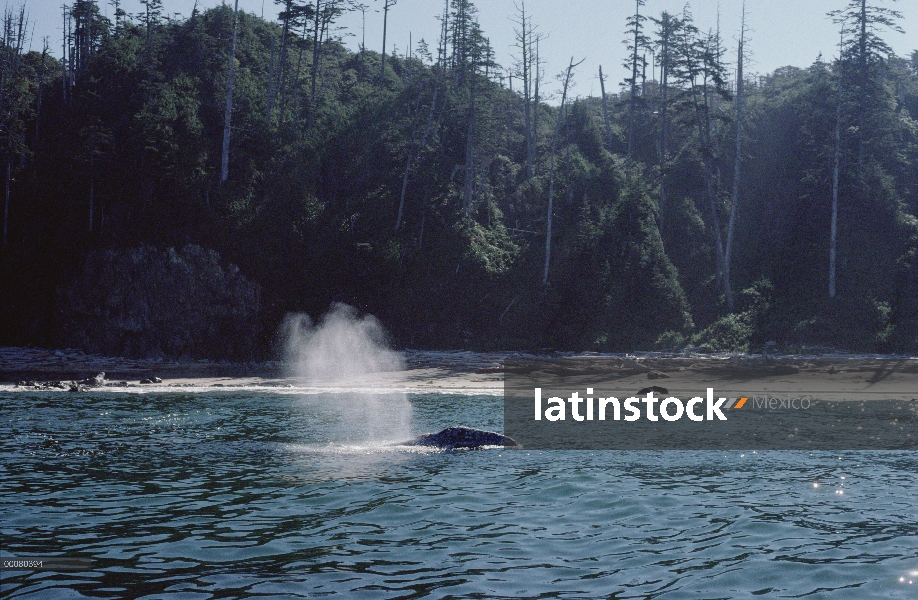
[447, 195]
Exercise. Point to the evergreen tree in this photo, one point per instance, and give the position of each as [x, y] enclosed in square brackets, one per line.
[636, 42]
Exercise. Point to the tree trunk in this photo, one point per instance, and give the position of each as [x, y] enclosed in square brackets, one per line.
[282, 85]
[70, 49]
[703, 121]
[468, 188]
[605, 109]
[6, 201]
[535, 103]
[525, 34]
[363, 36]
[64, 59]
[421, 235]
[92, 191]
[228, 110]
[737, 163]
[634, 66]
[41, 87]
[664, 118]
[834, 232]
[382, 63]
[835, 169]
[551, 171]
[314, 67]
[414, 154]
[269, 101]
[865, 76]
[297, 70]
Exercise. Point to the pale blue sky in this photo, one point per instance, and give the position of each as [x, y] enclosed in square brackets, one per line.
[784, 32]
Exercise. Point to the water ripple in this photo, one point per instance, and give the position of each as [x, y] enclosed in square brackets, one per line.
[247, 494]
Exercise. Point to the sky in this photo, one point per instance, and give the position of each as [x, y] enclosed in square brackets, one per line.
[783, 32]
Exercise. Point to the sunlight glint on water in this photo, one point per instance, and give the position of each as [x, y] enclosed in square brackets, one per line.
[246, 494]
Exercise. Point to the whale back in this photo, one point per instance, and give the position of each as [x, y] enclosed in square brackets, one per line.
[462, 437]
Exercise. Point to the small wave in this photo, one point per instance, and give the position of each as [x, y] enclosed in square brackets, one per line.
[363, 449]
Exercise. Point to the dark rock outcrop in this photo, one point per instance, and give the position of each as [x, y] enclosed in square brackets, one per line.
[148, 302]
[45, 385]
[97, 381]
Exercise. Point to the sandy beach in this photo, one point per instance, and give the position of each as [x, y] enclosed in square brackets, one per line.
[425, 370]
[827, 376]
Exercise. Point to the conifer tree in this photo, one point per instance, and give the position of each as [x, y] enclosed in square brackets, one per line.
[863, 54]
[635, 43]
[667, 35]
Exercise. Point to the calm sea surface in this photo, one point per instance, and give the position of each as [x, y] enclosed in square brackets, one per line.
[264, 494]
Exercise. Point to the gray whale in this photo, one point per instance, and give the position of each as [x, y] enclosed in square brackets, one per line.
[452, 438]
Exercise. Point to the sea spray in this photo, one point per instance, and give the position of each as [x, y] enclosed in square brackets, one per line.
[339, 352]
[342, 345]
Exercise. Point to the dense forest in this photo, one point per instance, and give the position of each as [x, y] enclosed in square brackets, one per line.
[690, 205]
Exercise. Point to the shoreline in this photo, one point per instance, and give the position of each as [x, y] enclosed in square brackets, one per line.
[459, 370]
[829, 375]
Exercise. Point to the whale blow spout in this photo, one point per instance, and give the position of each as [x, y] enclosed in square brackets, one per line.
[348, 352]
[453, 438]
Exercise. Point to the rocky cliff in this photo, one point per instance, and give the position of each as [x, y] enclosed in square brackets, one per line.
[149, 302]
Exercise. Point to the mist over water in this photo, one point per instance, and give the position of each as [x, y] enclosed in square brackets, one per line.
[343, 351]
[342, 345]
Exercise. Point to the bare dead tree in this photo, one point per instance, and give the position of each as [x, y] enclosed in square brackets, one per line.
[41, 89]
[228, 110]
[702, 59]
[551, 168]
[12, 42]
[64, 82]
[524, 43]
[833, 237]
[739, 100]
[638, 41]
[668, 30]
[419, 143]
[269, 99]
[314, 66]
[387, 4]
[605, 109]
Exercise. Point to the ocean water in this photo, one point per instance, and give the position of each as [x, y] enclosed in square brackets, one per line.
[267, 494]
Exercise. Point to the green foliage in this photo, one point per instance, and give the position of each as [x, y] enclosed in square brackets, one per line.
[730, 333]
[406, 192]
[742, 331]
[903, 333]
[671, 340]
[866, 326]
[491, 250]
[618, 289]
